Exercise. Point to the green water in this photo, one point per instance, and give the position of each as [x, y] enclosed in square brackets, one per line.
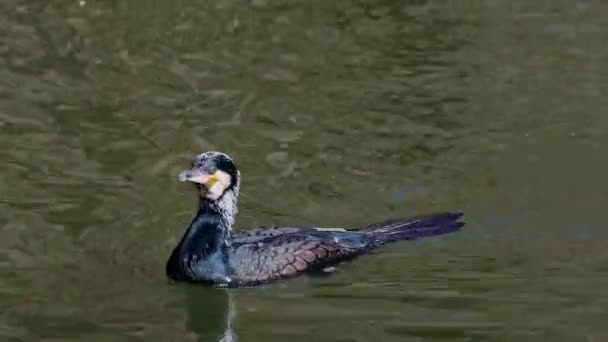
[338, 113]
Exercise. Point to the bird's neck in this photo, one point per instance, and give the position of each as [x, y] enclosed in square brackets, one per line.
[206, 235]
[205, 241]
[224, 208]
[210, 229]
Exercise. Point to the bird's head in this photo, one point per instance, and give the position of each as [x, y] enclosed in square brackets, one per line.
[214, 175]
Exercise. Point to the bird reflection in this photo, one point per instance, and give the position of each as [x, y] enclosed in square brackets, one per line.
[211, 314]
[229, 334]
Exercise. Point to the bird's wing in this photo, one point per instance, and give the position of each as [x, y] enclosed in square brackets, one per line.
[287, 255]
[263, 233]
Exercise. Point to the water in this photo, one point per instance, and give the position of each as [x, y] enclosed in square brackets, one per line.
[338, 113]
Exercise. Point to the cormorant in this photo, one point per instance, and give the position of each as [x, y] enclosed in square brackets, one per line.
[211, 253]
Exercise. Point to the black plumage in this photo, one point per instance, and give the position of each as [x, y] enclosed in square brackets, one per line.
[210, 253]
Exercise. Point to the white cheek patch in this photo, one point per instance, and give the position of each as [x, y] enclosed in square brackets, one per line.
[223, 178]
[217, 190]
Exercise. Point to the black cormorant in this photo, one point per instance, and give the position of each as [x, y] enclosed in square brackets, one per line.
[211, 253]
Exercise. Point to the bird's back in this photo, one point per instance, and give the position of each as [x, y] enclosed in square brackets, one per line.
[275, 253]
[262, 255]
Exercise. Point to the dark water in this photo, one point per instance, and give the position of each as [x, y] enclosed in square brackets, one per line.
[338, 113]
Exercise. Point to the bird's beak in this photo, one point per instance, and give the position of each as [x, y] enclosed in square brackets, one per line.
[198, 176]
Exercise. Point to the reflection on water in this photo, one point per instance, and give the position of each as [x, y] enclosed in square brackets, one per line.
[229, 335]
[338, 113]
[211, 314]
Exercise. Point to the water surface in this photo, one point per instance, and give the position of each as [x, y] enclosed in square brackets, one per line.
[338, 113]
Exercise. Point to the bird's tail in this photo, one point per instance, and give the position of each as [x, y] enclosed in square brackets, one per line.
[414, 228]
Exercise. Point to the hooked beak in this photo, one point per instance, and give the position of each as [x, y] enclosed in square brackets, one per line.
[199, 177]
